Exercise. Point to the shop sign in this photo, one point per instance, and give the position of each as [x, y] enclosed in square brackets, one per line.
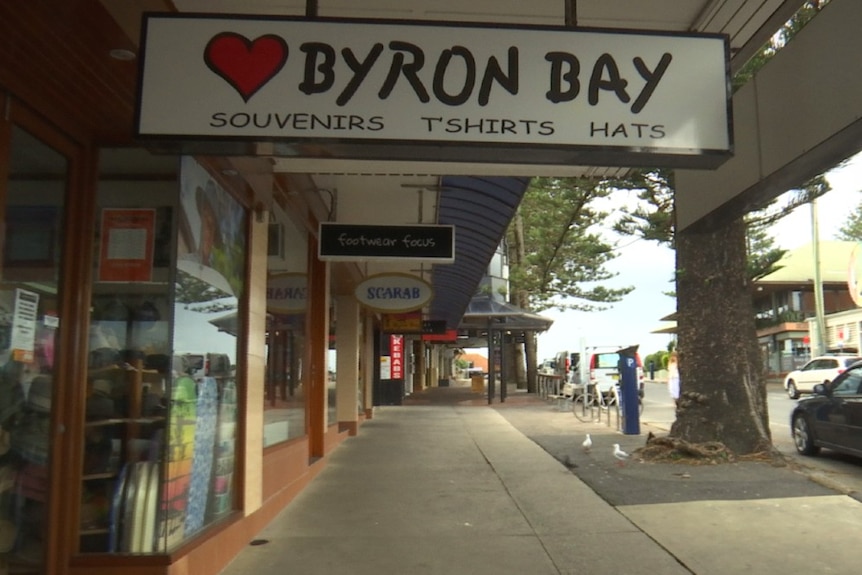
[396, 352]
[394, 293]
[287, 293]
[488, 93]
[402, 322]
[344, 242]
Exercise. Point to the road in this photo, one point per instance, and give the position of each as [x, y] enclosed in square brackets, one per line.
[835, 470]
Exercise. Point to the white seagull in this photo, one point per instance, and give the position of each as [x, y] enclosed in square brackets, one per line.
[588, 443]
[620, 454]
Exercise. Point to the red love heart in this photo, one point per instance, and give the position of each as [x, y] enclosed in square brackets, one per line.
[246, 65]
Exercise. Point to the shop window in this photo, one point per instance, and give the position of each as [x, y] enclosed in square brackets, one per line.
[30, 292]
[162, 392]
[287, 295]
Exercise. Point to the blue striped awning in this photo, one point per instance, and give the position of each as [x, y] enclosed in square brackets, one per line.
[480, 208]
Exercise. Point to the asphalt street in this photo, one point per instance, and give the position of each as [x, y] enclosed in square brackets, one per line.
[840, 472]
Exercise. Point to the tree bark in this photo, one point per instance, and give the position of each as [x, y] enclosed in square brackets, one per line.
[531, 362]
[723, 391]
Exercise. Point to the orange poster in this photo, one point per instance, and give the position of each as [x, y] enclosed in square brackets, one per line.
[126, 253]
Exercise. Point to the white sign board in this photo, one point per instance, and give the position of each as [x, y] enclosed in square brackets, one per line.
[218, 77]
[287, 293]
[394, 292]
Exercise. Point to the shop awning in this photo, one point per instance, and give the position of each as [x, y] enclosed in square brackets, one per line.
[480, 208]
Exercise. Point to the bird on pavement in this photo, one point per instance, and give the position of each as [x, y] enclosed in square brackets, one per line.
[588, 443]
[621, 455]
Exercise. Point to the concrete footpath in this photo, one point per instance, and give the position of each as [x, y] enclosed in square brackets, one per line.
[449, 485]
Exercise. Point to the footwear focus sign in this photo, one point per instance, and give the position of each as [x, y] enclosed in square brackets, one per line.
[344, 242]
[508, 92]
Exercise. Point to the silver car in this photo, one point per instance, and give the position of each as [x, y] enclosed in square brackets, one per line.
[820, 369]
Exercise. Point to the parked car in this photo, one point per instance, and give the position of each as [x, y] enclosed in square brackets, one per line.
[831, 417]
[820, 369]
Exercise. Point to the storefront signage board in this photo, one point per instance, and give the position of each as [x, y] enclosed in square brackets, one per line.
[445, 91]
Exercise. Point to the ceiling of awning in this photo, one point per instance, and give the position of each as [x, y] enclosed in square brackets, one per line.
[480, 209]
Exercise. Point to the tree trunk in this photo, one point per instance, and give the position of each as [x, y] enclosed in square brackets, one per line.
[531, 363]
[723, 392]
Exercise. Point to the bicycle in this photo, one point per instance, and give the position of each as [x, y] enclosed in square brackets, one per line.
[585, 403]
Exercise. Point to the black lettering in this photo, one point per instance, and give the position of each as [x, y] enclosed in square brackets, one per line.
[321, 122]
[409, 70]
[546, 128]
[280, 121]
[218, 120]
[652, 79]
[360, 71]
[300, 121]
[640, 128]
[508, 81]
[528, 124]
[556, 94]
[613, 83]
[440, 76]
[598, 129]
[620, 130]
[430, 122]
[375, 124]
[258, 124]
[240, 120]
[312, 50]
[657, 132]
[468, 126]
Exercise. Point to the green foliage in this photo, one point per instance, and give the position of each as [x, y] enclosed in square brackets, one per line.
[851, 231]
[653, 217]
[762, 253]
[660, 360]
[556, 258]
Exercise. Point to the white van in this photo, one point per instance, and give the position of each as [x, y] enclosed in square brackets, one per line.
[604, 371]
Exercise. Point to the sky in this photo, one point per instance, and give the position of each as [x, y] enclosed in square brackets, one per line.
[649, 267]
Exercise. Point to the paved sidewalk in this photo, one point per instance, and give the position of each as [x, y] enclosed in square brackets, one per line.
[448, 485]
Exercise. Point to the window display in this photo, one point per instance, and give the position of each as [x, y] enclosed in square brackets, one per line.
[286, 303]
[162, 393]
[29, 319]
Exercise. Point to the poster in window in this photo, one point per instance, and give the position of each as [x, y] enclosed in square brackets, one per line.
[126, 253]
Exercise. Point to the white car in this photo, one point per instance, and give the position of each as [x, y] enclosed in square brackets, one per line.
[820, 369]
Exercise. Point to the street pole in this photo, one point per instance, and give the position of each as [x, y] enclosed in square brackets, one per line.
[820, 321]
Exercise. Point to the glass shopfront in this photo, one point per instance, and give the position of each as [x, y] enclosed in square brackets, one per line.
[30, 291]
[161, 409]
[287, 298]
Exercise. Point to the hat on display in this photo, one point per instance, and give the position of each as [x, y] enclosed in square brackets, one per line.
[8, 474]
[100, 406]
[146, 312]
[103, 387]
[8, 535]
[39, 396]
[115, 310]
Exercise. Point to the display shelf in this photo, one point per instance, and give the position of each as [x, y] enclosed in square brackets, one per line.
[123, 419]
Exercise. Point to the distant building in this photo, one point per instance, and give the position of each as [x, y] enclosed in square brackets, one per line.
[785, 308]
[476, 361]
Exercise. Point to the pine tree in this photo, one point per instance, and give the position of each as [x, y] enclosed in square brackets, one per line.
[851, 231]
